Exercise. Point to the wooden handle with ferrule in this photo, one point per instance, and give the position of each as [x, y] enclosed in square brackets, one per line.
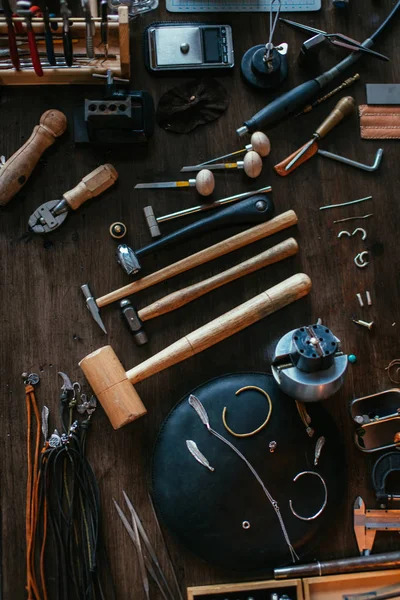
[235, 320]
[179, 298]
[17, 170]
[343, 108]
[244, 238]
[92, 185]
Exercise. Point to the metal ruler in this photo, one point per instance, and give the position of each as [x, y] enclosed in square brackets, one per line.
[240, 5]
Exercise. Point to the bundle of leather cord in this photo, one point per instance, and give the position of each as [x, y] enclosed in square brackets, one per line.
[65, 556]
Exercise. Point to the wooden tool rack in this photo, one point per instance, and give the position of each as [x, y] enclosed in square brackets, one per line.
[118, 46]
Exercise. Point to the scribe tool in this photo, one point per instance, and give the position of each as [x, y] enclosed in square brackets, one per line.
[204, 183]
[343, 108]
[50, 215]
[12, 40]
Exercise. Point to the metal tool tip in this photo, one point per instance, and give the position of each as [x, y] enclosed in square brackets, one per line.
[242, 130]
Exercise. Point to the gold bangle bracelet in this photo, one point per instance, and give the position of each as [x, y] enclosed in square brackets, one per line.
[249, 387]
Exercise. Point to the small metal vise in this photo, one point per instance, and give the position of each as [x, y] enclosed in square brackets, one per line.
[121, 117]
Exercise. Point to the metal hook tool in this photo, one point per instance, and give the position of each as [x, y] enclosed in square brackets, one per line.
[354, 163]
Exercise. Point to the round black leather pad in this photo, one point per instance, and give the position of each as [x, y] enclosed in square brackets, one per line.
[205, 510]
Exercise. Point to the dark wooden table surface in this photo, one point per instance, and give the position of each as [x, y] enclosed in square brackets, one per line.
[45, 326]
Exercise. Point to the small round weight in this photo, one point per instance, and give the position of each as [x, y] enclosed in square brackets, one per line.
[260, 143]
[117, 230]
[252, 164]
[205, 182]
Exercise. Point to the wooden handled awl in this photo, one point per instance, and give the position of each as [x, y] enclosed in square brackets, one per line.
[112, 385]
[343, 108]
[50, 215]
[17, 169]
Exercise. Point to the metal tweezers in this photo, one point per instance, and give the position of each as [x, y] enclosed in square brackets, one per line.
[147, 557]
[337, 39]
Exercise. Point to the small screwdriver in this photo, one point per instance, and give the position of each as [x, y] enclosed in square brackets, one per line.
[343, 108]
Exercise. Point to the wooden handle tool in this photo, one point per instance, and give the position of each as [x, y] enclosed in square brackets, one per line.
[17, 170]
[283, 221]
[112, 385]
[51, 215]
[94, 184]
[182, 297]
[343, 108]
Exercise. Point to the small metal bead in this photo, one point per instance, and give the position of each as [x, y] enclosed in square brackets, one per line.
[272, 446]
[246, 525]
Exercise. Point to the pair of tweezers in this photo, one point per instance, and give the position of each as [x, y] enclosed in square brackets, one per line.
[147, 558]
[337, 39]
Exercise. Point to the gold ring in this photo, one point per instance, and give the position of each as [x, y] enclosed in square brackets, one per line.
[249, 387]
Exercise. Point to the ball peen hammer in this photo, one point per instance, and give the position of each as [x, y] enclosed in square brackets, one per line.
[112, 385]
[254, 234]
[18, 168]
[135, 318]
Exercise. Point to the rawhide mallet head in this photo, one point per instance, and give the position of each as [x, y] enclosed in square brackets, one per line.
[111, 386]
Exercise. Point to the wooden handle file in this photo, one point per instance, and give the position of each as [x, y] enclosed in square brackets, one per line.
[286, 219]
[17, 170]
[219, 329]
[181, 297]
[91, 186]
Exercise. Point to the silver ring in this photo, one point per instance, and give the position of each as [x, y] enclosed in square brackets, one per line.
[246, 525]
[320, 511]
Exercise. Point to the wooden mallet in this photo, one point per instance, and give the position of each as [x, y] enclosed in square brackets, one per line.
[112, 385]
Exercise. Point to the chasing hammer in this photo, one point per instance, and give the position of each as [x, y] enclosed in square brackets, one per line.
[112, 385]
[17, 169]
[256, 209]
[135, 319]
[235, 242]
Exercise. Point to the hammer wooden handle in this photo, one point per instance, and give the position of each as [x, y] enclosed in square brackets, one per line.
[91, 186]
[286, 219]
[16, 171]
[181, 297]
[224, 326]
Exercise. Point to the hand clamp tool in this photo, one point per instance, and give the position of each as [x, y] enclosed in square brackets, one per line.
[50, 215]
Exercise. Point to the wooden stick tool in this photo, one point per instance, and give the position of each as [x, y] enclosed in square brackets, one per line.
[263, 230]
[17, 169]
[112, 385]
[182, 297]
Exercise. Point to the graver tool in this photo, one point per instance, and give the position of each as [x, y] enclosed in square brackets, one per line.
[17, 169]
[343, 108]
[255, 209]
[367, 522]
[50, 215]
[240, 240]
[112, 385]
[153, 221]
[135, 318]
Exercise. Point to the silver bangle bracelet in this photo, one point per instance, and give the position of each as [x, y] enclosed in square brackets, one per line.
[320, 511]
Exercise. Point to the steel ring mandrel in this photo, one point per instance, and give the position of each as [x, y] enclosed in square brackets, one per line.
[321, 510]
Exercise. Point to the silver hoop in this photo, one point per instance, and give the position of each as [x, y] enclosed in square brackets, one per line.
[321, 510]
